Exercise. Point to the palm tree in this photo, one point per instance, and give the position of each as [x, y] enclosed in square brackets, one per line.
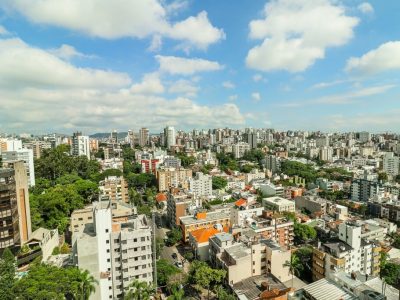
[87, 285]
[294, 265]
[139, 290]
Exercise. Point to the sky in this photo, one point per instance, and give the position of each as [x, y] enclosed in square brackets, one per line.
[100, 65]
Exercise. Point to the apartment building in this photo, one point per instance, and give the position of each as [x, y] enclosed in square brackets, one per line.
[116, 249]
[143, 137]
[37, 147]
[391, 164]
[362, 189]
[268, 189]
[15, 214]
[279, 204]
[203, 220]
[79, 218]
[313, 204]
[25, 155]
[150, 165]
[199, 241]
[172, 162]
[349, 253]
[171, 177]
[80, 145]
[239, 149]
[272, 164]
[115, 187]
[179, 203]
[254, 174]
[201, 184]
[248, 257]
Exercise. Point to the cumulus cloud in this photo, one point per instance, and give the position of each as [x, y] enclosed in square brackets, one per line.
[291, 39]
[184, 87]
[365, 8]
[119, 18]
[228, 85]
[151, 84]
[256, 97]
[233, 97]
[186, 66]
[67, 52]
[64, 97]
[386, 57]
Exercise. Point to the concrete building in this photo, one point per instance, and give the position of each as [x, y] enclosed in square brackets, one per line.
[172, 162]
[144, 137]
[362, 190]
[46, 239]
[272, 164]
[199, 241]
[201, 184]
[25, 155]
[150, 165]
[254, 174]
[80, 218]
[326, 153]
[239, 149]
[179, 203]
[115, 187]
[80, 145]
[37, 147]
[219, 220]
[391, 164]
[171, 177]
[268, 189]
[15, 217]
[170, 138]
[279, 204]
[350, 253]
[313, 204]
[116, 249]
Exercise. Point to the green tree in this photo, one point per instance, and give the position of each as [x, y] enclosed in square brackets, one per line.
[303, 232]
[222, 294]
[87, 285]
[205, 276]
[294, 265]
[174, 236]
[186, 161]
[305, 256]
[7, 275]
[139, 290]
[164, 271]
[382, 176]
[177, 292]
[390, 272]
[219, 183]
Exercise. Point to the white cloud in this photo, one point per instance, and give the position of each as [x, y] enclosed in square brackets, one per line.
[386, 57]
[256, 97]
[184, 87]
[322, 85]
[156, 43]
[365, 8]
[233, 97]
[196, 31]
[67, 52]
[343, 98]
[43, 93]
[3, 30]
[228, 85]
[186, 66]
[150, 84]
[291, 39]
[176, 6]
[120, 18]
[21, 64]
[258, 78]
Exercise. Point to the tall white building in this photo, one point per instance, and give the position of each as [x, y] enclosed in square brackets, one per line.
[143, 137]
[26, 155]
[239, 149]
[116, 249]
[10, 145]
[326, 153]
[170, 137]
[391, 164]
[201, 184]
[80, 145]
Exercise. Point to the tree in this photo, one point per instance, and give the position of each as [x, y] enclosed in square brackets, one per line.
[204, 276]
[7, 275]
[174, 236]
[396, 241]
[390, 272]
[87, 285]
[219, 183]
[139, 290]
[177, 292]
[222, 294]
[382, 176]
[305, 256]
[294, 265]
[186, 161]
[303, 232]
[165, 270]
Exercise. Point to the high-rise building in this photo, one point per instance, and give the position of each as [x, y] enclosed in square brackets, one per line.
[80, 145]
[114, 137]
[143, 137]
[272, 164]
[201, 184]
[15, 217]
[251, 139]
[170, 137]
[171, 177]
[115, 187]
[116, 248]
[25, 155]
[239, 149]
[391, 164]
[326, 153]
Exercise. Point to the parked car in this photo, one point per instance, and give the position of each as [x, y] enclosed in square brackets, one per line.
[179, 264]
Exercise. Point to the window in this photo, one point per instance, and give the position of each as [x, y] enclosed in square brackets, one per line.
[106, 230]
[135, 240]
[116, 241]
[142, 239]
[144, 257]
[143, 248]
[107, 241]
[108, 260]
[108, 250]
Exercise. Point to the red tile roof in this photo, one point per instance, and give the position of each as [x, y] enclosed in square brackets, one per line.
[161, 197]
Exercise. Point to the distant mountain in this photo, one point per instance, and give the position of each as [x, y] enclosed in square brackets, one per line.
[103, 135]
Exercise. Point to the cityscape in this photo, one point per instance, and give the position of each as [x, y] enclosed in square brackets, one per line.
[182, 150]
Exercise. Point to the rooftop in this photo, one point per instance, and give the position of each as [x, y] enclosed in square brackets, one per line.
[327, 290]
[251, 287]
[210, 216]
[278, 201]
[203, 235]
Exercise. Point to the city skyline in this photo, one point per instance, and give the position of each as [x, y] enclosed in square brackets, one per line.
[186, 64]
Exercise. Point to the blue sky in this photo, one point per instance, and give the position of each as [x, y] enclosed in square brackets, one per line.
[97, 65]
